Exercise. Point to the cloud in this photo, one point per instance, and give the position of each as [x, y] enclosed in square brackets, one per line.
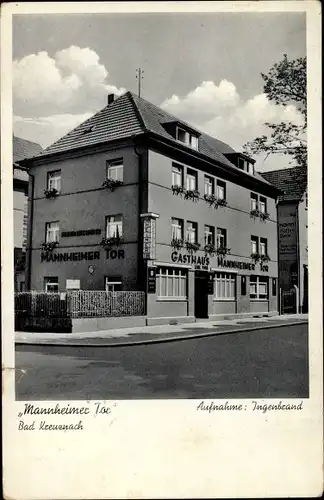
[46, 130]
[218, 110]
[65, 83]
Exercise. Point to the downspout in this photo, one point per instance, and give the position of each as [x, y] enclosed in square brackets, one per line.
[298, 255]
[140, 264]
[29, 230]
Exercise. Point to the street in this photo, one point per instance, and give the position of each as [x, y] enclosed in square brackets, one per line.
[268, 363]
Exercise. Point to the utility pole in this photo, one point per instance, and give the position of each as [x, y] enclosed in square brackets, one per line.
[139, 77]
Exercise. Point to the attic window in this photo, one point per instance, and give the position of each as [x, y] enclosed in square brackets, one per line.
[88, 130]
[187, 138]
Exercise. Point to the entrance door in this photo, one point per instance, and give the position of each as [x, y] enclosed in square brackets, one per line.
[201, 295]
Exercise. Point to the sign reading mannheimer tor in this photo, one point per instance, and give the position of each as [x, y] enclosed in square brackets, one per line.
[74, 256]
[221, 262]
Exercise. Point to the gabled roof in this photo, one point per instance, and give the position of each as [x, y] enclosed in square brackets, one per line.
[129, 116]
[21, 148]
[291, 181]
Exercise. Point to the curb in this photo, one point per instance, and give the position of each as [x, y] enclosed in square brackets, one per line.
[175, 338]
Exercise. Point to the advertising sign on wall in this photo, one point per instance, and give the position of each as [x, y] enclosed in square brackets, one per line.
[287, 242]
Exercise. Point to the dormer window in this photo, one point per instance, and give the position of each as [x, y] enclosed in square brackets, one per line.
[187, 138]
[246, 165]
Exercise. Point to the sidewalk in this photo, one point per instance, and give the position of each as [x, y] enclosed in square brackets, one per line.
[160, 333]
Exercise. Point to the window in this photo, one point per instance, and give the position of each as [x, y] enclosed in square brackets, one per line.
[263, 246]
[177, 229]
[52, 231]
[254, 201]
[208, 185]
[250, 168]
[51, 284]
[114, 226]
[254, 244]
[209, 235]
[187, 138]
[243, 285]
[192, 231]
[306, 201]
[113, 284]
[241, 163]
[177, 175]
[191, 180]
[171, 282]
[115, 169]
[54, 180]
[263, 205]
[258, 287]
[221, 190]
[224, 286]
[221, 238]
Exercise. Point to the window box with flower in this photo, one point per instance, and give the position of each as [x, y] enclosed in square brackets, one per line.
[210, 249]
[255, 256]
[264, 258]
[112, 184]
[192, 246]
[254, 213]
[51, 193]
[223, 250]
[178, 190]
[110, 242]
[264, 216]
[48, 246]
[177, 243]
[192, 195]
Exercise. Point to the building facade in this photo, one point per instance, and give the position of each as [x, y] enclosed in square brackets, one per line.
[21, 149]
[292, 210]
[135, 199]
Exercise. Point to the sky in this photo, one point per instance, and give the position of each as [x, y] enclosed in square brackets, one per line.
[204, 68]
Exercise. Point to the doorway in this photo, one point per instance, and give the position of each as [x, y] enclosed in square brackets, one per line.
[201, 294]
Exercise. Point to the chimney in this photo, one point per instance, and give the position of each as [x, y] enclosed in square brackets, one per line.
[111, 98]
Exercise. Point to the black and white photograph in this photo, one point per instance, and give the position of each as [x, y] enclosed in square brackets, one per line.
[160, 215]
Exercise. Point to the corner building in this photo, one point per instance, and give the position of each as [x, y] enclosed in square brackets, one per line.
[135, 199]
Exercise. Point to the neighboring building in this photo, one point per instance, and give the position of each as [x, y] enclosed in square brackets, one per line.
[292, 226]
[21, 149]
[183, 205]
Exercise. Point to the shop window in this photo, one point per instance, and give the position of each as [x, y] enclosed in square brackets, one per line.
[209, 235]
[254, 201]
[191, 180]
[258, 287]
[221, 238]
[192, 232]
[52, 230]
[263, 246]
[51, 284]
[243, 285]
[113, 284]
[177, 229]
[114, 226]
[115, 169]
[254, 244]
[221, 190]
[171, 283]
[208, 185]
[177, 175]
[54, 180]
[274, 287]
[225, 286]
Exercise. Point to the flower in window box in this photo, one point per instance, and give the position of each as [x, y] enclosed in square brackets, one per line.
[255, 256]
[176, 189]
[264, 215]
[48, 246]
[223, 251]
[265, 258]
[110, 242]
[176, 243]
[112, 184]
[221, 202]
[192, 195]
[210, 199]
[192, 247]
[255, 213]
[51, 193]
[210, 249]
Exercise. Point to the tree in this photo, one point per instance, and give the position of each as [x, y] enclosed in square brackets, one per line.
[285, 84]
